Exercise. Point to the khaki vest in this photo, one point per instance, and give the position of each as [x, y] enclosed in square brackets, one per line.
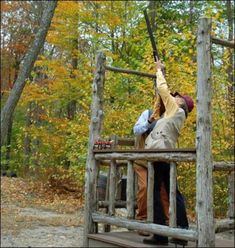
[166, 132]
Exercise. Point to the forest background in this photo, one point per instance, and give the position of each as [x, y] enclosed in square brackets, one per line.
[48, 134]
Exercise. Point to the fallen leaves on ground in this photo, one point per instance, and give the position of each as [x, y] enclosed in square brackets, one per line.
[31, 193]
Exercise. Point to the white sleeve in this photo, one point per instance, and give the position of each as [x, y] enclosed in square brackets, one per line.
[142, 125]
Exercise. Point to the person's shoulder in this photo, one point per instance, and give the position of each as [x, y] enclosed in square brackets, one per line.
[145, 111]
[144, 114]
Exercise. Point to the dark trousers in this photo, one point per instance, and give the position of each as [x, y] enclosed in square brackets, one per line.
[162, 175]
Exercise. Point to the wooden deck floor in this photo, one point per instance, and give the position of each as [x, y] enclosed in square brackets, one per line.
[132, 239]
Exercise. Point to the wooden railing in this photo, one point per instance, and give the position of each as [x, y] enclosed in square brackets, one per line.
[126, 158]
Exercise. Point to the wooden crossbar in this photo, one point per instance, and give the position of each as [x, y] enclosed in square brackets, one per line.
[149, 156]
[128, 71]
[225, 43]
[184, 234]
[170, 150]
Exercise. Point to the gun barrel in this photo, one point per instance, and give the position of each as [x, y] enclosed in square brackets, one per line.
[154, 47]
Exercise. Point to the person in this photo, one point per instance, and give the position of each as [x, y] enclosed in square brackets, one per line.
[144, 125]
[165, 135]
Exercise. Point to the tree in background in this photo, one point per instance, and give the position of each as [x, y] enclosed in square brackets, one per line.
[26, 68]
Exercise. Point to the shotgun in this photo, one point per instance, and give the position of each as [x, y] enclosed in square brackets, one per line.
[158, 105]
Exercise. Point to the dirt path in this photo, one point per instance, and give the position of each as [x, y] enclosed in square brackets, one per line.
[28, 222]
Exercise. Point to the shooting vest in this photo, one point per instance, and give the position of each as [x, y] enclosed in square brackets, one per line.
[166, 131]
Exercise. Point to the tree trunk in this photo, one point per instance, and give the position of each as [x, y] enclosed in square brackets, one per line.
[72, 105]
[230, 38]
[191, 15]
[153, 14]
[26, 67]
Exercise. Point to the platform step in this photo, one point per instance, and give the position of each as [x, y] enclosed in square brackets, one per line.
[132, 239]
[121, 239]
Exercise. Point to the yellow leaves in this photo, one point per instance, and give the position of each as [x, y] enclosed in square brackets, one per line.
[114, 21]
[216, 16]
[191, 51]
[68, 8]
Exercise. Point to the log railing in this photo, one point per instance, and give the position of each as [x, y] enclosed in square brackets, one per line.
[127, 158]
[152, 155]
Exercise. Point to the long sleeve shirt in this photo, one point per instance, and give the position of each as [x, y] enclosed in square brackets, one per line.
[142, 125]
[167, 129]
[168, 100]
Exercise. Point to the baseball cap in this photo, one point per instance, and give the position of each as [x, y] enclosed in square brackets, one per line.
[188, 100]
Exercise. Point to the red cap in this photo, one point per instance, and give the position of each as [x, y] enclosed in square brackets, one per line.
[188, 100]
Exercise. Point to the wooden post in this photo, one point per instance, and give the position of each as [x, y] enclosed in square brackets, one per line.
[95, 204]
[107, 227]
[95, 130]
[150, 192]
[130, 191]
[204, 196]
[231, 193]
[112, 187]
[172, 210]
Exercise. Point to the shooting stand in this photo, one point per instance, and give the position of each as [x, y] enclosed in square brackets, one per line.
[202, 235]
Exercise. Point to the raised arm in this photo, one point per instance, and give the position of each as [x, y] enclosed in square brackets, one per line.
[163, 90]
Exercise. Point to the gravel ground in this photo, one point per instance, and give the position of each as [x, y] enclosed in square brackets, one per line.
[38, 228]
[45, 236]
[32, 218]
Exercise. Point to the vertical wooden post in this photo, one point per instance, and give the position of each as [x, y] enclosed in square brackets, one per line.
[130, 191]
[231, 194]
[172, 210]
[112, 187]
[95, 130]
[204, 196]
[150, 192]
[106, 226]
[95, 202]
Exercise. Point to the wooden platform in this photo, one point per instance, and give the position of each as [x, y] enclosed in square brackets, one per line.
[132, 239]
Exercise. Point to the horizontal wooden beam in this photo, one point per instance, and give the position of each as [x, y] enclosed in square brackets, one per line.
[221, 225]
[118, 204]
[225, 43]
[163, 156]
[217, 166]
[224, 225]
[128, 71]
[162, 150]
[147, 227]
[223, 166]
[125, 142]
[106, 162]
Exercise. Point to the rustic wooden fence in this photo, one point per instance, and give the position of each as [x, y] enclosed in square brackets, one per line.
[204, 233]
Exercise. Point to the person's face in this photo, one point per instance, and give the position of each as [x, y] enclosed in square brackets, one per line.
[179, 100]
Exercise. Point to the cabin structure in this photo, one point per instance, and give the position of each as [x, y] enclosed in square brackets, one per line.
[101, 213]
